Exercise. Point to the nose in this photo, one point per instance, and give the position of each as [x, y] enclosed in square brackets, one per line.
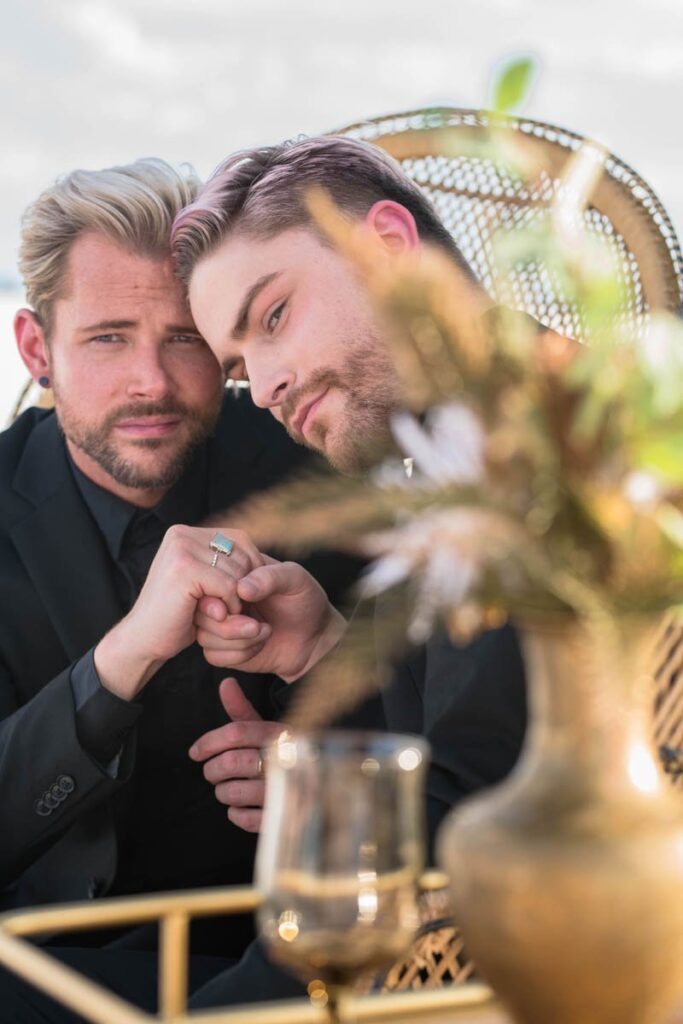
[148, 377]
[269, 383]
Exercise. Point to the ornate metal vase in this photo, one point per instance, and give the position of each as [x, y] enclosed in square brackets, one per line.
[567, 879]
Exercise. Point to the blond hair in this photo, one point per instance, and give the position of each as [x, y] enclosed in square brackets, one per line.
[134, 204]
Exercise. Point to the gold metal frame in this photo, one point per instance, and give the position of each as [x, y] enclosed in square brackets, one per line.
[467, 1004]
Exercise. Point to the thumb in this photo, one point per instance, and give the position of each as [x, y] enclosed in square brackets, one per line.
[236, 705]
[276, 578]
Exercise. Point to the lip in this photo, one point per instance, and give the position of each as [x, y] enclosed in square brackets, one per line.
[304, 414]
[150, 426]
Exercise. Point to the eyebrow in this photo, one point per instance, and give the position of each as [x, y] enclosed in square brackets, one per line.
[242, 320]
[110, 325]
[122, 325]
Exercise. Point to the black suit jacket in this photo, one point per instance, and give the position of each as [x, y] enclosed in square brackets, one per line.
[469, 702]
[58, 600]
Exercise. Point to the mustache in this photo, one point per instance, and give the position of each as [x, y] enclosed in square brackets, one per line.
[141, 410]
[317, 382]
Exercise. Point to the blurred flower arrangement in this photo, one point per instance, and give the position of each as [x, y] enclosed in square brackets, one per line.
[547, 474]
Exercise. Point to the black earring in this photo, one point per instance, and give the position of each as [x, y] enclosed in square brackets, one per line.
[44, 382]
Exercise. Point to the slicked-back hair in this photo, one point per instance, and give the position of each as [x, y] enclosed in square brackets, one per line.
[134, 205]
[261, 193]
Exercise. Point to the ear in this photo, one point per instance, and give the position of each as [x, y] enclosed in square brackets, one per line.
[31, 343]
[393, 225]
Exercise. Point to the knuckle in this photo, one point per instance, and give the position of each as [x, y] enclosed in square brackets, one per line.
[174, 534]
[184, 559]
[226, 764]
[237, 732]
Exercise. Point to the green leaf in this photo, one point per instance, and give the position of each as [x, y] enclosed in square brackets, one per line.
[661, 455]
[512, 84]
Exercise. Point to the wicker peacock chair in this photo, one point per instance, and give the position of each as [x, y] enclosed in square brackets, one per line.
[446, 152]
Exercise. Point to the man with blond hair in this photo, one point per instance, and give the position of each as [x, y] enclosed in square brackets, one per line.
[102, 687]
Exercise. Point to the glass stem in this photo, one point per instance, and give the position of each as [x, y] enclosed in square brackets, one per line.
[337, 1002]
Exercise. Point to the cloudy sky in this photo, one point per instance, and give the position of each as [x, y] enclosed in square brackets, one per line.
[94, 82]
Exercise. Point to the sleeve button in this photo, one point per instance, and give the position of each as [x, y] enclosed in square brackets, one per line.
[66, 784]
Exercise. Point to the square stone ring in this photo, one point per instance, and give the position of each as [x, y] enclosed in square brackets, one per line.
[220, 545]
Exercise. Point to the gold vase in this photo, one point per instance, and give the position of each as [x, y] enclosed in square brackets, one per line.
[567, 879]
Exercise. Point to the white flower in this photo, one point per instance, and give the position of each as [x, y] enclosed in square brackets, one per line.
[391, 473]
[449, 449]
[642, 489]
[447, 550]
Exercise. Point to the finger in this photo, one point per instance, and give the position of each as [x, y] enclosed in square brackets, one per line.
[228, 591]
[213, 608]
[241, 793]
[228, 766]
[230, 638]
[230, 660]
[237, 563]
[229, 654]
[234, 764]
[208, 582]
[246, 818]
[243, 544]
[234, 736]
[235, 703]
[232, 567]
[233, 627]
[276, 578]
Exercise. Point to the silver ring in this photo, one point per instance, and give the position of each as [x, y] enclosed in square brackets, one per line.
[220, 545]
[259, 766]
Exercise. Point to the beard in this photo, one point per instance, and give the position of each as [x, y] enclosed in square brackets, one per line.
[99, 441]
[369, 384]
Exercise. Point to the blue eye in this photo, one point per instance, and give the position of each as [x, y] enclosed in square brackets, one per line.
[274, 318]
[188, 339]
[107, 339]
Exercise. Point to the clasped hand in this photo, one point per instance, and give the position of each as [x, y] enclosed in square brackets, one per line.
[285, 614]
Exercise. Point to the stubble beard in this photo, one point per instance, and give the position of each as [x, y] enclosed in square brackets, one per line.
[99, 442]
[370, 385]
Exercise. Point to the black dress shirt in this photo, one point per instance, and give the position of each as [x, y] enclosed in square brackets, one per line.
[172, 831]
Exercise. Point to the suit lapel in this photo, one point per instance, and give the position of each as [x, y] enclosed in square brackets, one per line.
[232, 458]
[60, 545]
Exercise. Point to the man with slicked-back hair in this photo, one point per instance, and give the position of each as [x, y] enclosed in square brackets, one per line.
[285, 312]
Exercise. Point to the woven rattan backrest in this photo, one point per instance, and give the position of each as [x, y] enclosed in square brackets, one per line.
[446, 152]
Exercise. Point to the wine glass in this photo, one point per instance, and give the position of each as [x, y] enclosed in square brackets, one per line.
[340, 853]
